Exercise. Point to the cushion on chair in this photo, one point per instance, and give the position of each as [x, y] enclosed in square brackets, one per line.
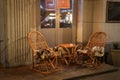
[43, 54]
[98, 51]
[48, 53]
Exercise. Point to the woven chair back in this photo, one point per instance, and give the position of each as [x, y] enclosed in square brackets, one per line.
[37, 40]
[97, 39]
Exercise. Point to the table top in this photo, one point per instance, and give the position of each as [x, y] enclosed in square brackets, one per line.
[68, 45]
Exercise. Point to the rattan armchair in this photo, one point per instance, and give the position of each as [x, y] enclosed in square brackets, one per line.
[93, 50]
[43, 57]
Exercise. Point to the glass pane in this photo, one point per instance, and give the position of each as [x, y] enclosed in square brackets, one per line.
[47, 13]
[66, 16]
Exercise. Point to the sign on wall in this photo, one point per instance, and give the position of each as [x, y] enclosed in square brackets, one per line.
[113, 11]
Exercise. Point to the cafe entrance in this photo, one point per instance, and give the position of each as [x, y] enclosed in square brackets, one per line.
[56, 21]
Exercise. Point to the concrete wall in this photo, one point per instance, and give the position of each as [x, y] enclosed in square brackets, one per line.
[85, 20]
[92, 18]
[99, 21]
[98, 15]
[113, 29]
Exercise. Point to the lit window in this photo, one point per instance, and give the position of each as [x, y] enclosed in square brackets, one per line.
[48, 13]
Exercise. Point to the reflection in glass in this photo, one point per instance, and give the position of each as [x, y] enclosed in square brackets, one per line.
[66, 17]
[48, 15]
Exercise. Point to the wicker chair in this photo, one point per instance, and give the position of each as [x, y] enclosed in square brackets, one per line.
[88, 55]
[43, 57]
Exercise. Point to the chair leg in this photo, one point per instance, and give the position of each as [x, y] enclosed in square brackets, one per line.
[44, 66]
[65, 60]
[52, 64]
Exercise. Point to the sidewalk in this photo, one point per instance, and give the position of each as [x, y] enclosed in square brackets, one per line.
[71, 72]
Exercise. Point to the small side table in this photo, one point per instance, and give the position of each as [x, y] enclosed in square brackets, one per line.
[70, 48]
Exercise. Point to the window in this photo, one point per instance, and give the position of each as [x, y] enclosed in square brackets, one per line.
[65, 18]
[48, 13]
[66, 15]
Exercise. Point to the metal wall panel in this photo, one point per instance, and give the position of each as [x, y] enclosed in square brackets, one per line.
[21, 19]
[3, 33]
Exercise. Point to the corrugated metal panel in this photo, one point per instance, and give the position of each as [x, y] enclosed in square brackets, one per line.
[21, 20]
[1, 29]
[3, 32]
